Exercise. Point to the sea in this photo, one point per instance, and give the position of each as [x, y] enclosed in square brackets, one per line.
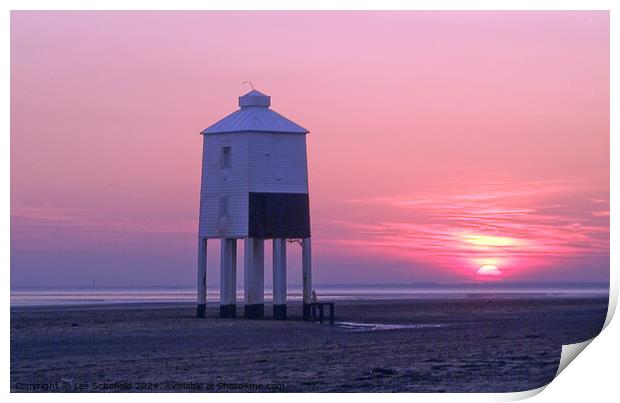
[326, 292]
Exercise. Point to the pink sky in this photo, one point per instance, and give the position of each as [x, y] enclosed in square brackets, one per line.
[440, 141]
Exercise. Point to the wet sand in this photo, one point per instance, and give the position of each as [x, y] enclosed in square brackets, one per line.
[475, 344]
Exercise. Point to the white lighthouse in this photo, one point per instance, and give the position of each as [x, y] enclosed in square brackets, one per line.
[254, 187]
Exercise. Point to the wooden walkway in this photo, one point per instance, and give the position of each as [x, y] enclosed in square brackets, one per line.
[320, 306]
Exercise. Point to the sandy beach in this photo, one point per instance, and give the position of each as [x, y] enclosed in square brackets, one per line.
[470, 344]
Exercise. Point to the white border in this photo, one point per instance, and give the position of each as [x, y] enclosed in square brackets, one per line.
[593, 377]
[313, 5]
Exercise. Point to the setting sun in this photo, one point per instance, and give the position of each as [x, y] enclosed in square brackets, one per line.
[489, 270]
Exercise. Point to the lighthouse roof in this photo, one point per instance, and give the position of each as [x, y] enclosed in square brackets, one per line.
[255, 115]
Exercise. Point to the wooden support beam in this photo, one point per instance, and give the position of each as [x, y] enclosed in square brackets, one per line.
[202, 278]
[279, 278]
[254, 278]
[228, 278]
[306, 268]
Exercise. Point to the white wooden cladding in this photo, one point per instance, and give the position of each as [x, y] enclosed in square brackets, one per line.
[235, 164]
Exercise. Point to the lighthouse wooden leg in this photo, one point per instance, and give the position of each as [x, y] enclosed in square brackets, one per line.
[202, 277]
[232, 280]
[279, 279]
[306, 268]
[254, 278]
[228, 278]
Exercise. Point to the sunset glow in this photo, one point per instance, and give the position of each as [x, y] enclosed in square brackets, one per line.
[490, 241]
[407, 112]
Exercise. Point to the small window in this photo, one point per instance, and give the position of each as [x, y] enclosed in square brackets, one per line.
[226, 157]
[223, 206]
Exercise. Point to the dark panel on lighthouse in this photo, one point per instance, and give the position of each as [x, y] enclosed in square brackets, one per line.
[279, 215]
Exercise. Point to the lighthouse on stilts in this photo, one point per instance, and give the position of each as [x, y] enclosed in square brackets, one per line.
[254, 188]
